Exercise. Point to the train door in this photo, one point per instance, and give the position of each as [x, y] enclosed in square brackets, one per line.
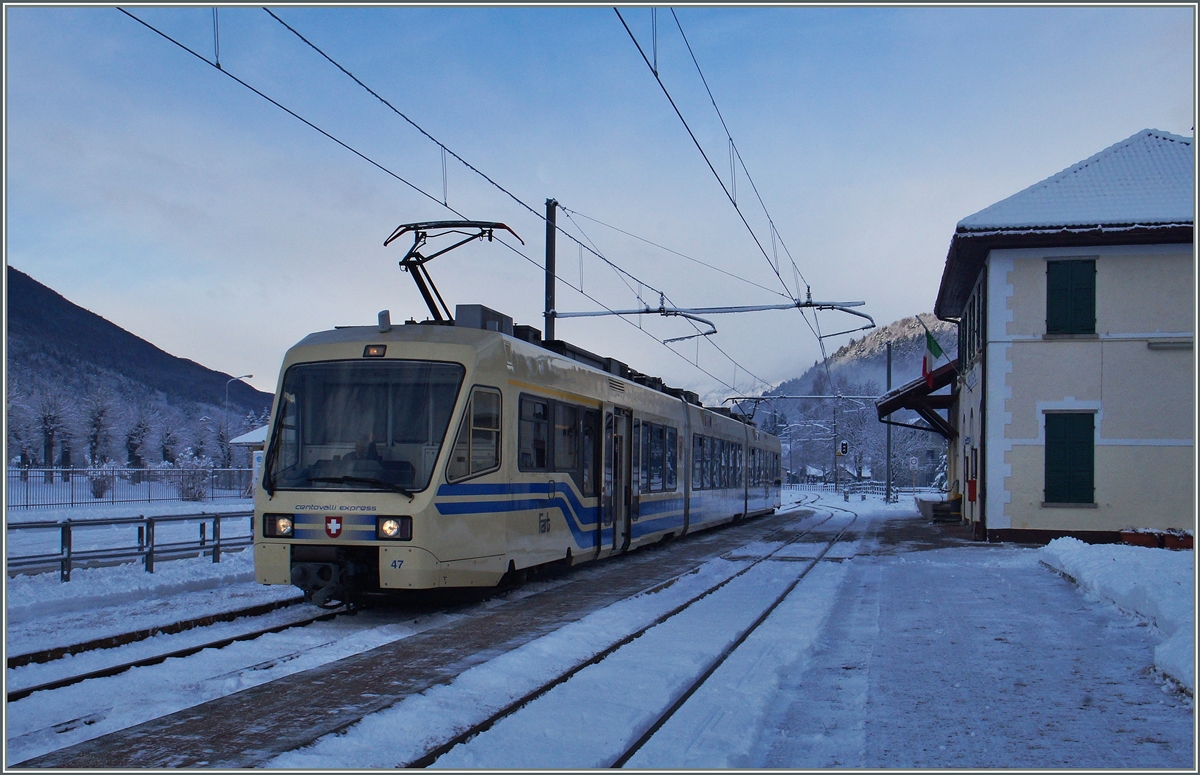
[615, 525]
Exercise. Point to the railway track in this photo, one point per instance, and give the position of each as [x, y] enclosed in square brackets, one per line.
[44, 656]
[432, 756]
[117, 669]
[294, 710]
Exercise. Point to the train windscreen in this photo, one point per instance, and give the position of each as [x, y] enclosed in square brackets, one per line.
[361, 426]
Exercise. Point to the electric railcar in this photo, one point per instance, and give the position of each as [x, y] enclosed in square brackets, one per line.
[427, 455]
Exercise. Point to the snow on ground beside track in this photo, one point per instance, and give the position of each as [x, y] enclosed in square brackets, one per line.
[1156, 584]
[30, 597]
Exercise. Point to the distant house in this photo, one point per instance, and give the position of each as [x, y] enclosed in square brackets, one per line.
[1075, 307]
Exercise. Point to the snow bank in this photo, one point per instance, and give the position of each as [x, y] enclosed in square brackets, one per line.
[1152, 583]
[43, 594]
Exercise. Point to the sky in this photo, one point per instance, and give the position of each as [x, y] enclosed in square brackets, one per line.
[149, 187]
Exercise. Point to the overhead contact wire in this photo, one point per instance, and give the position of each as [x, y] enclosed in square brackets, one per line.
[418, 189]
[292, 113]
[442, 145]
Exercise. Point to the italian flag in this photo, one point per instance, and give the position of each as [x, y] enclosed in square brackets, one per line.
[929, 362]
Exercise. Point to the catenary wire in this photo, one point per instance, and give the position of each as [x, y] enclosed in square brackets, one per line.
[421, 191]
[771, 221]
[498, 186]
[444, 147]
[690, 322]
[720, 182]
[738, 153]
[293, 114]
[672, 252]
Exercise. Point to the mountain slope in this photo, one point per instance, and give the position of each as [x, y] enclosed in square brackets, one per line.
[864, 362]
[53, 342]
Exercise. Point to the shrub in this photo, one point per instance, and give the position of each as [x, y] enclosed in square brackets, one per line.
[102, 480]
[193, 480]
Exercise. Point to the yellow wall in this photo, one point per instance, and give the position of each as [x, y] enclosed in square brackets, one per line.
[1142, 398]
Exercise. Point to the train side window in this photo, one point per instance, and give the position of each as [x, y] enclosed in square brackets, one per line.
[644, 475]
[656, 458]
[533, 434]
[591, 436]
[566, 437]
[697, 461]
[636, 462]
[672, 448]
[477, 446]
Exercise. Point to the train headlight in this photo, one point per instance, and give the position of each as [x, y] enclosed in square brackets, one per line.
[394, 528]
[278, 525]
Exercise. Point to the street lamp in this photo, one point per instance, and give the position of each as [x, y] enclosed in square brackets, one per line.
[234, 379]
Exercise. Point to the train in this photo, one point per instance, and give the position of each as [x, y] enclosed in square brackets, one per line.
[458, 453]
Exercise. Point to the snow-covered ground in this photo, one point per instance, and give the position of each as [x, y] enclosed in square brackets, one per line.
[1155, 584]
[886, 654]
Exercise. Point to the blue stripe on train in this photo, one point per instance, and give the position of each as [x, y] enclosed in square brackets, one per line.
[579, 518]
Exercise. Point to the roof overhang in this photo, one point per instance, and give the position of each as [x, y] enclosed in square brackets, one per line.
[918, 396]
[969, 250]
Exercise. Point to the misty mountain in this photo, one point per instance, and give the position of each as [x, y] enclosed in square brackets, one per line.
[811, 428]
[863, 362]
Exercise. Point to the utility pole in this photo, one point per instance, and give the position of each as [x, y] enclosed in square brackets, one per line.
[887, 490]
[837, 473]
[551, 234]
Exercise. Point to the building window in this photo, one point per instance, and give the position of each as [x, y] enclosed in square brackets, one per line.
[1071, 297]
[1070, 457]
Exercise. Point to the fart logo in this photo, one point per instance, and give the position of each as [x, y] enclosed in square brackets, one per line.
[333, 526]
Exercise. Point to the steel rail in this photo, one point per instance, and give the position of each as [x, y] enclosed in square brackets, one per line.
[729, 650]
[125, 638]
[19, 694]
[434, 754]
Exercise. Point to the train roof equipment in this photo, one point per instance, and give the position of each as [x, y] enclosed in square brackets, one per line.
[414, 263]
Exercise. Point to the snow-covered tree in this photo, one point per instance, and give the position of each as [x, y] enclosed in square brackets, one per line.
[99, 416]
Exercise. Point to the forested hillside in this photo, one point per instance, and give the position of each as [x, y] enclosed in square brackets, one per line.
[810, 427]
[82, 390]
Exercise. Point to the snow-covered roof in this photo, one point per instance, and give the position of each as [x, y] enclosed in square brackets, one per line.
[813, 471]
[1145, 179]
[251, 438]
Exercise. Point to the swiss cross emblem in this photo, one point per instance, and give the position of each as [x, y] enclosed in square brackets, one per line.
[333, 526]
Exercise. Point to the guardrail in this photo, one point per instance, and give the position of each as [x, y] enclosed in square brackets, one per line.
[150, 548]
[863, 488]
[34, 487]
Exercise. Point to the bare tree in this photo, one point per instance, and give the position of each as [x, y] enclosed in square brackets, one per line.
[52, 412]
[99, 421]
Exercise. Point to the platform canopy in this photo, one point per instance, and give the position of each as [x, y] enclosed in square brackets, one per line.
[919, 397]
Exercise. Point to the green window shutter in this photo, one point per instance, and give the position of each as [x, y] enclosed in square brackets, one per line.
[1070, 458]
[1083, 297]
[1058, 297]
[1071, 297]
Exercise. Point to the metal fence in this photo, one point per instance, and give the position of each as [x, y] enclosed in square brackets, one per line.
[33, 487]
[862, 488]
[70, 544]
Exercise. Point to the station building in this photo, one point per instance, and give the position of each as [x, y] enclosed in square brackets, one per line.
[1074, 408]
